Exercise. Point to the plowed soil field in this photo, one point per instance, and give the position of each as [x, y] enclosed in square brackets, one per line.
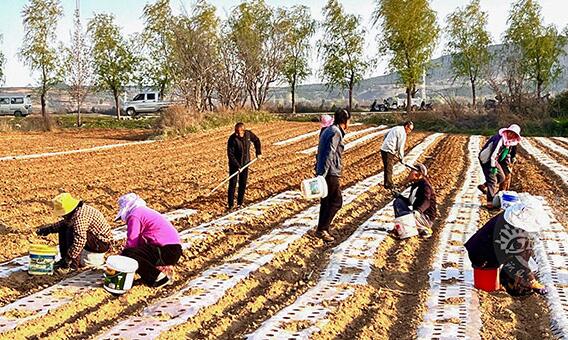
[286, 259]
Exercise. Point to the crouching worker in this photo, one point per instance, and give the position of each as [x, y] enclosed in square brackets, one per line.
[150, 239]
[506, 241]
[421, 202]
[84, 233]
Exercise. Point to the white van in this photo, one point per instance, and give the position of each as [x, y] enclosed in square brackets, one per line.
[18, 105]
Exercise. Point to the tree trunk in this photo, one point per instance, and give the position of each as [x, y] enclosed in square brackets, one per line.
[293, 90]
[473, 95]
[351, 84]
[538, 89]
[78, 114]
[408, 100]
[115, 93]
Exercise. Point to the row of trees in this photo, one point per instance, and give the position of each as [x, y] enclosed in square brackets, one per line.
[230, 63]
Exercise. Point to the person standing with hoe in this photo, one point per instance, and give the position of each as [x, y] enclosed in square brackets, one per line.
[238, 153]
[328, 165]
[393, 149]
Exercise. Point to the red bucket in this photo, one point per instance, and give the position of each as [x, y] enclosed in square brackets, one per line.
[486, 279]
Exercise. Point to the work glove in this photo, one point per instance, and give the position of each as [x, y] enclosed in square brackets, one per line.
[493, 171]
[259, 156]
[538, 288]
[44, 231]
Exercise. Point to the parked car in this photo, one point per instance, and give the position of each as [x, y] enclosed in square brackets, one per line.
[18, 105]
[145, 102]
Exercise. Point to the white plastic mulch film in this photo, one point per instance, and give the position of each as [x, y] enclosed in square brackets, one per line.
[453, 306]
[212, 285]
[557, 168]
[551, 253]
[549, 143]
[70, 152]
[349, 135]
[21, 263]
[349, 266]
[303, 136]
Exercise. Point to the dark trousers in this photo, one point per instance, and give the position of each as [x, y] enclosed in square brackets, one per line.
[388, 164]
[242, 179]
[330, 205]
[401, 207]
[150, 256]
[492, 181]
[93, 244]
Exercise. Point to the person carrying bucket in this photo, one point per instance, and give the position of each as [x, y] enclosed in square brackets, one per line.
[151, 240]
[329, 166]
[505, 240]
[421, 202]
[492, 157]
[84, 234]
[393, 150]
[238, 153]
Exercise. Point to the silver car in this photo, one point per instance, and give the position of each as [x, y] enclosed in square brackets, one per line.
[17, 105]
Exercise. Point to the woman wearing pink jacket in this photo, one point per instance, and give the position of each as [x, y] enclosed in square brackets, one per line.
[151, 240]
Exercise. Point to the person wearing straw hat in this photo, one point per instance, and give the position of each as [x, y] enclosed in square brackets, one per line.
[238, 153]
[421, 202]
[150, 239]
[493, 155]
[506, 241]
[82, 230]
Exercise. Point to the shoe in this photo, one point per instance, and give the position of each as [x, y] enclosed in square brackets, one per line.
[61, 264]
[239, 207]
[325, 236]
[482, 188]
[169, 271]
[491, 207]
[161, 281]
[425, 232]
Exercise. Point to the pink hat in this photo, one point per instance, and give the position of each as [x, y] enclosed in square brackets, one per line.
[127, 203]
[326, 120]
[514, 128]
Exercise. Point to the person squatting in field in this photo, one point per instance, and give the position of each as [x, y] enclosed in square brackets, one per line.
[82, 232]
[421, 202]
[329, 165]
[150, 239]
[238, 153]
[505, 241]
[498, 152]
[393, 149]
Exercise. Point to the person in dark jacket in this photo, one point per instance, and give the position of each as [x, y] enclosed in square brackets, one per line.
[421, 202]
[238, 153]
[328, 165]
[505, 241]
[494, 152]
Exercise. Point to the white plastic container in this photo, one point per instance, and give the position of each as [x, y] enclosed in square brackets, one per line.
[119, 274]
[405, 226]
[314, 188]
[505, 199]
[90, 259]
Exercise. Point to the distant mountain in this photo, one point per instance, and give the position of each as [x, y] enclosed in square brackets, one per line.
[439, 79]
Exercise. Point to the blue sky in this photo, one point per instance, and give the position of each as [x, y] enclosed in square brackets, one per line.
[128, 13]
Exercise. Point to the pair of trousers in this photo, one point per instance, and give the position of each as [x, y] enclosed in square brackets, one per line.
[492, 181]
[388, 164]
[403, 207]
[242, 179]
[330, 205]
[66, 236]
[150, 256]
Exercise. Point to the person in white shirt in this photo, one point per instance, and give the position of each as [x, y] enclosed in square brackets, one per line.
[393, 149]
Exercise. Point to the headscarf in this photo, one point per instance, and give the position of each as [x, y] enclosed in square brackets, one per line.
[126, 204]
[325, 121]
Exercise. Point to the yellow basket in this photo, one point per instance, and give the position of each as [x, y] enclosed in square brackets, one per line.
[42, 258]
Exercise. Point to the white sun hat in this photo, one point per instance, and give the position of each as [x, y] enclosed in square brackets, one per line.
[528, 215]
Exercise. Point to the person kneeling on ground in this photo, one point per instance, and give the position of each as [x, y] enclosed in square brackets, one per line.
[329, 165]
[82, 231]
[492, 157]
[505, 240]
[150, 239]
[421, 202]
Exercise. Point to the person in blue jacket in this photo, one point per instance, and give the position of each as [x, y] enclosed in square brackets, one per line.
[329, 165]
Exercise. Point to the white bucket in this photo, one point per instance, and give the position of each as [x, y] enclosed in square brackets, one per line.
[90, 259]
[505, 199]
[314, 188]
[405, 226]
[119, 274]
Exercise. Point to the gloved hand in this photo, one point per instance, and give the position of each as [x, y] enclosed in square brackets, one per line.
[493, 171]
[538, 288]
[259, 156]
[44, 231]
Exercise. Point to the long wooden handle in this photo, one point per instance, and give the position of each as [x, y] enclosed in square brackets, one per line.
[231, 176]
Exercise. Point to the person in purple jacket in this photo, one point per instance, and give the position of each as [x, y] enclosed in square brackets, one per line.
[150, 239]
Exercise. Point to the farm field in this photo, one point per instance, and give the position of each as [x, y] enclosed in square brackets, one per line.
[259, 273]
